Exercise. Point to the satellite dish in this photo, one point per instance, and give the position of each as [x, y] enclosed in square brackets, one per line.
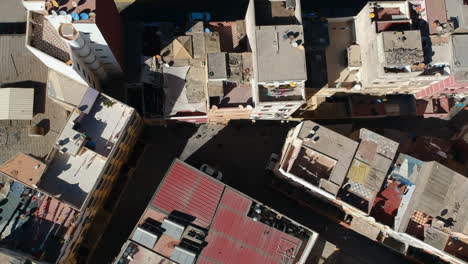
[54, 13]
[62, 13]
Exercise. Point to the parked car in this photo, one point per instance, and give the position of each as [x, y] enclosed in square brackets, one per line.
[212, 172]
[274, 158]
[200, 16]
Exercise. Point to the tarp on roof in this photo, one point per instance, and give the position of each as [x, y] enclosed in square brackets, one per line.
[16, 103]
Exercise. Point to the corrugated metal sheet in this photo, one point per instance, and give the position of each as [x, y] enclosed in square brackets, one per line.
[16, 103]
[236, 238]
[237, 202]
[187, 190]
[18, 63]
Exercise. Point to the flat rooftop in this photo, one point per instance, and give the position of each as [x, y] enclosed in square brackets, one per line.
[337, 151]
[312, 166]
[460, 57]
[436, 11]
[19, 64]
[24, 169]
[63, 88]
[439, 193]
[184, 83]
[71, 178]
[397, 190]
[12, 12]
[368, 170]
[458, 12]
[232, 35]
[15, 135]
[83, 146]
[402, 48]
[341, 37]
[275, 12]
[236, 89]
[97, 124]
[280, 54]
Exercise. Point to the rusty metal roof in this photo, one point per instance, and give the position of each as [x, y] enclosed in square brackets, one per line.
[188, 190]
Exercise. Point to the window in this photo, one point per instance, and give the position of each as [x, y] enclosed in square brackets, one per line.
[94, 84]
[98, 49]
[78, 66]
[289, 106]
[103, 57]
[267, 106]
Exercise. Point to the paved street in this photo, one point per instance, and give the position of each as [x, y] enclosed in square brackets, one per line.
[240, 150]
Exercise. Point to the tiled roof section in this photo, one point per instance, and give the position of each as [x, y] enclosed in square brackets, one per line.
[385, 146]
[236, 238]
[46, 39]
[187, 190]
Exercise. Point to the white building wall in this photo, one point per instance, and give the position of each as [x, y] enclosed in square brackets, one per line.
[99, 47]
[250, 25]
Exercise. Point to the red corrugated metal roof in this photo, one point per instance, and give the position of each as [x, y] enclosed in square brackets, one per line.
[233, 200]
[236, 238]
[187, 190]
